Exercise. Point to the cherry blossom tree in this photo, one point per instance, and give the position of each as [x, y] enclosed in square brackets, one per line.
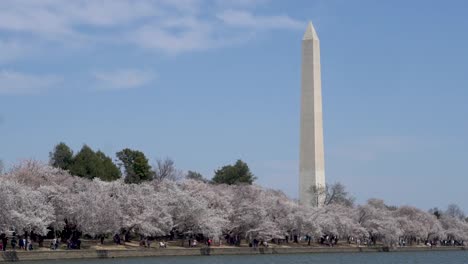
[377, 219]
[142, 210]
[454, 228]
[191, 214]
[417, 225]
[340, 220]
[23, 209]
[251, 217]
[37, 197]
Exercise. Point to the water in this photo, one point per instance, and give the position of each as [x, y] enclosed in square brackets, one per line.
[442, 257]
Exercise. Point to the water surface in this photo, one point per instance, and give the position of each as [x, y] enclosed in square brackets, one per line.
[441, 257]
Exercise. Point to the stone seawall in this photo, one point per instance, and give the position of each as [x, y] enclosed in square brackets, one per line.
[10, 256]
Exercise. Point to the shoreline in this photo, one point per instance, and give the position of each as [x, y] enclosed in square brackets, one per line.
[13, 256]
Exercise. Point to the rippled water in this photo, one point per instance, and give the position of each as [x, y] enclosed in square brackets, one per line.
[444, 257]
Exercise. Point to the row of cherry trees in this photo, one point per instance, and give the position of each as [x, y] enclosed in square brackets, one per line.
[35, 197]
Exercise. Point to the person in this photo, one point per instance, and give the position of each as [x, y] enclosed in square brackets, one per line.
[102, 240]
[54, 244]
[21, 243]
[148, 243]
[162, 244]
[194, 243]
[4, 242]
[13, 243]
[117, 239]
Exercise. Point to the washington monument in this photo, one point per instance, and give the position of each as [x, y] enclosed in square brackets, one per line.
[311, 164]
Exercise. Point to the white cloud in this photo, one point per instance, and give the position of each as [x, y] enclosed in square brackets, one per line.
[168, 26]
[12, 82]
[240, 3]
[162, 26]
[192, 34]
[248, 20]
[123, 79]
[54, 17]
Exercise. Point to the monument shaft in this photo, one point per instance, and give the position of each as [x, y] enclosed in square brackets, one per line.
[311, 164]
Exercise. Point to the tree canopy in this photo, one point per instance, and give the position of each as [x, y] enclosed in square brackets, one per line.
[234, 174]
[165, 169]
[335, 193]
[36, 196]
[110, 171]
[89, 164]
[61, 157]
[136, 166]
[193, 175]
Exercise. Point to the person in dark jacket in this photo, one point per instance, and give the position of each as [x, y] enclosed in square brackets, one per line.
[4, 242]
[13, 243]
[21, 243]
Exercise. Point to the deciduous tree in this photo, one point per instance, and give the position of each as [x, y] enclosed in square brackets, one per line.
[166, 170]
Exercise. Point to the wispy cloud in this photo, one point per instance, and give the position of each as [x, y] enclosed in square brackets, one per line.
[226, 4]
[192, 34]
[169, 26]
[123, 79]
[33, 28]
[12, 82]
[52, 18]
[248, 20]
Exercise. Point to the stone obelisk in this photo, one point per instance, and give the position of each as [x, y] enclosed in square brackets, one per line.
[311, 164]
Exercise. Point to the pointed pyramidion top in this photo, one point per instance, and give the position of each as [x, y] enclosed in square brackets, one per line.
[310, 32]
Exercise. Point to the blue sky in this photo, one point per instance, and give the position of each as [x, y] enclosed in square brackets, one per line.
[208, 82]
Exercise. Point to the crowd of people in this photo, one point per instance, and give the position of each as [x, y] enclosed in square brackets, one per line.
[16, 242]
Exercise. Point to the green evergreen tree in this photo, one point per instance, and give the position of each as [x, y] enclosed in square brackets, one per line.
[136, 166]
[110, 171]
[193, 175]
[86, 164]
[61, 157]
[89, 164]
[234, 174]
